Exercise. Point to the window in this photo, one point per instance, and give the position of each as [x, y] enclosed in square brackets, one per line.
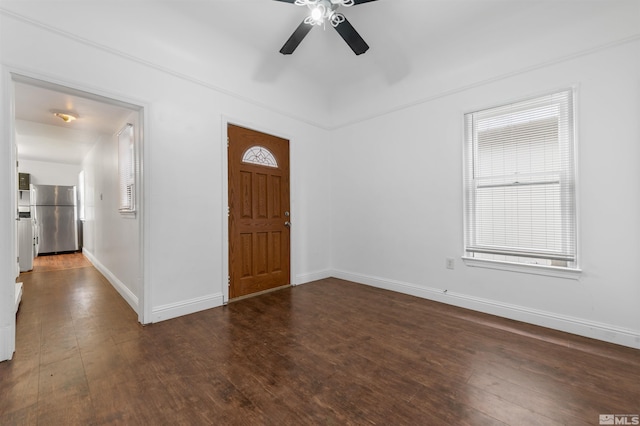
[259, 155]
[520, 183]
[126, 169]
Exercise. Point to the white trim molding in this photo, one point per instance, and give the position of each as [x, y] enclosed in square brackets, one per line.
[327, 124]
[158, 67]
[18, 296]
[186, 307]
[312, 276]
[227, 120]
[582, 327]
[120, 287]
[7, 342]
[548, 271]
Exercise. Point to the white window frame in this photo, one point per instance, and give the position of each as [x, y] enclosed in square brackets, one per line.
[126, 170]
[81, 204]
[472, 251]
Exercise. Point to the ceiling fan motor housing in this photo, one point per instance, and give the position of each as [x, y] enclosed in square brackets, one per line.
[324, 10]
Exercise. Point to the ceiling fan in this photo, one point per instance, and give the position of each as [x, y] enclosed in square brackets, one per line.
[322, 11]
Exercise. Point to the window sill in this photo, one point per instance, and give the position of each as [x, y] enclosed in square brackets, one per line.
[131, 214]
[549, 271]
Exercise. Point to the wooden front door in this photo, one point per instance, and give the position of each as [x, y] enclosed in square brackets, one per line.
[259, 219]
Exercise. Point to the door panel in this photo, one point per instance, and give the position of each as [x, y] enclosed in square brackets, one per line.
[259, 239]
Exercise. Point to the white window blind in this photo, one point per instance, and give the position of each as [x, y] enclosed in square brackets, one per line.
[520, 182]
[126, 169]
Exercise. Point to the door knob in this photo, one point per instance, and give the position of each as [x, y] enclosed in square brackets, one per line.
[287, 224]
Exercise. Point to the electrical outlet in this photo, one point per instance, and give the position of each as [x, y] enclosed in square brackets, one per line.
[450, 263]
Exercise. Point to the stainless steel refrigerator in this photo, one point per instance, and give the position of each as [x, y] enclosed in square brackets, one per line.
[56, 217]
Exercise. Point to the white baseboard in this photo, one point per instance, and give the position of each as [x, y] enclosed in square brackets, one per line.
[186, 307]
[582, 327]
[120, 287]
[312, 276]
[7, 342]
[18, 296]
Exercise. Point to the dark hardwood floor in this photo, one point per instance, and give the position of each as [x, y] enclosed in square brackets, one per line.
[325, 353]
[59, 262]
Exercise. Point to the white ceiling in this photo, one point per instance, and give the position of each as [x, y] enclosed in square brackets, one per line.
[419, 49]
[41, 136]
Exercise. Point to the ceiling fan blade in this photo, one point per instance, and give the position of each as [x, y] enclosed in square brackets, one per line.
[293, 1]
[351, 36]
[295, 39]
[354, 1]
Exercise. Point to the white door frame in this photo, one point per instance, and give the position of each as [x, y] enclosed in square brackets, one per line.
[226, 120]
[9, 268]
[11, 75]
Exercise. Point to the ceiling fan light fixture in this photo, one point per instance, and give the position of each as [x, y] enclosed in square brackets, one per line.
[306, 2]
[322, 11]
[310, 3]
[67, 117]
[317, 13]
[336, 19]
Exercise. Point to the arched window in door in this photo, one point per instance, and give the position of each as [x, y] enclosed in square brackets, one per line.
[259, 155]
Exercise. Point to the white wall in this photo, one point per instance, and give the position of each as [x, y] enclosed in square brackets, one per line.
[183, 166]
[477, 49]
[48, 173]
[110, 239]
[199, 50]
[397, 197]
[382, 205]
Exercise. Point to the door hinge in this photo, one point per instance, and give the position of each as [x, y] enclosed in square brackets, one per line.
[229, 280]
[227, 141]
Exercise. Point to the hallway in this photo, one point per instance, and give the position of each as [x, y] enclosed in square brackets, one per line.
[69, 325]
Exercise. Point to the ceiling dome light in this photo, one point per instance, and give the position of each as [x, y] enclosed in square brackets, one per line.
[316, 14]
[65, 116]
